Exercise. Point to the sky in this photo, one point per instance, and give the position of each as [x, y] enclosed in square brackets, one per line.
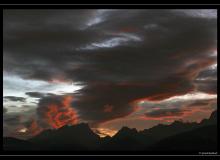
[107, 67]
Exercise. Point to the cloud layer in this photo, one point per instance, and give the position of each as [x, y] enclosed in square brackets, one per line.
[121, 57]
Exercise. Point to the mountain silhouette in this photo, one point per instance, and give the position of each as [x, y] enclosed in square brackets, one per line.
[10, 143]
[161, 131]
[124, 139]
[176, 136]
[202, 139]
[77, 137]
[213, 116]
[212, 119]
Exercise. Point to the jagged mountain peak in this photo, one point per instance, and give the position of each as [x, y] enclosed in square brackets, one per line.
[213, 115]
[81, 137]
[127, 129]
[83, 127]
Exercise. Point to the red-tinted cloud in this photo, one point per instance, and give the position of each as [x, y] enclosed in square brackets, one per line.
[34, 128]
[108, 108]
[56, 111]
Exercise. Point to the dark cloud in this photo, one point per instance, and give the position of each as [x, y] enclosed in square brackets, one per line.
[13, 122]
[12, 119]
[91, 104]
[12, 106]
[207, 86]
[5, 110]
[120, 56]
[39, 95]
[203, 104]
[165, 113]
[189, 113]
[14, 98]
[206, 81]
[6, 131]
[171, 37]
[35, 94]
[185, 109]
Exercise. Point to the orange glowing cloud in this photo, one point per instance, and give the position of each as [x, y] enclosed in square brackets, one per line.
[34, 128]
[103, 132]
[60, 115]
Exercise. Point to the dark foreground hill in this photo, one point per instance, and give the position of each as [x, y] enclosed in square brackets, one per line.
[10, 143]
[78, 137]
[202, 139]
[176, 136]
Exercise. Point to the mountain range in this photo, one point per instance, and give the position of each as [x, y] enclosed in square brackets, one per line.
[177, 136]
